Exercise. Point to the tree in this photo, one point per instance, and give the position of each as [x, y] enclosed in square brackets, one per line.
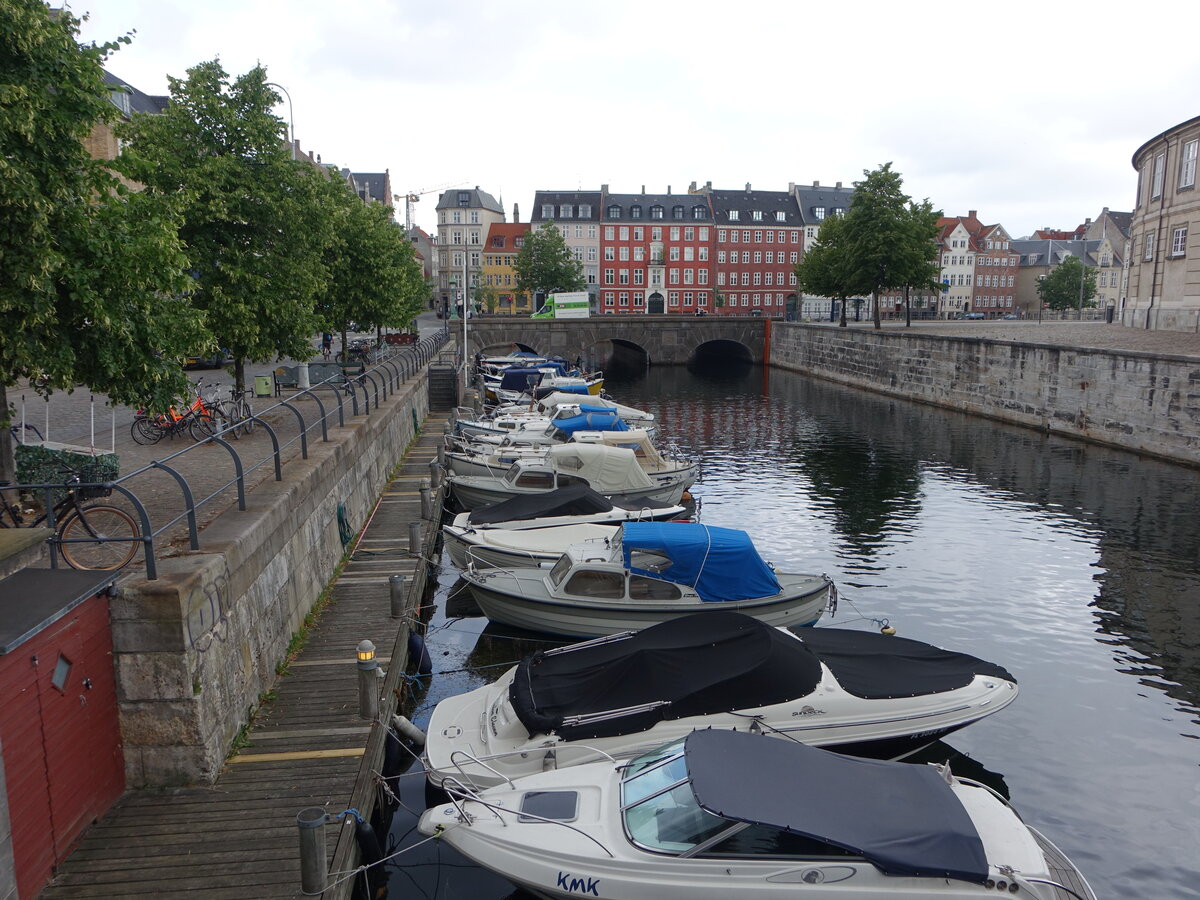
[826, 269]
[919, 268]
[255, 229]
[879, 234]
[1060, 289]
[90, 273]
[545, 263]
[374, 278]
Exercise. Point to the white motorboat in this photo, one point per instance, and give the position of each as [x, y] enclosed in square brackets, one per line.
[650, 572]
[607, 470]
[520, 547]
[723, 814]
[857, 692]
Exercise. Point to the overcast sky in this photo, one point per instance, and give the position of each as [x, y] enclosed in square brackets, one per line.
[1026, 112]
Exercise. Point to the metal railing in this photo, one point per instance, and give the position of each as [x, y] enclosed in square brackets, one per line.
[363, 391]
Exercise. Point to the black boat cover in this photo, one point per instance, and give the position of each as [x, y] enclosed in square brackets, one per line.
[573, 500]
[702, 664]
[877, 666]
[903, 818]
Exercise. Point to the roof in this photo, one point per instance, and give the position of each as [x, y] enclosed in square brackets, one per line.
[507, 232]
[826, 197]
[691, 666]
[574, 199]
[624, 204]
[376, 186]
[1042, 249]
[904, 818]
[748, 202]
[33, 599]
[139, 102]
[474, 199]
[721, 564]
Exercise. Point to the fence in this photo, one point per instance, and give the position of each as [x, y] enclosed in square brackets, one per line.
[191, 467]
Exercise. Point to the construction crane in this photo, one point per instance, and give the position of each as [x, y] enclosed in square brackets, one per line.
[412, 197]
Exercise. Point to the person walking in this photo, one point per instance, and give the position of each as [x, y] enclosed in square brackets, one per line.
[326, 345]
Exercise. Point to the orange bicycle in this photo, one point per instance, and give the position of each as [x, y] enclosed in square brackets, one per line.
[201, 419]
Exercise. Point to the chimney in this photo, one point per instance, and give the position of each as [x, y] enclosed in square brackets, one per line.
[816, 184]
[668, 190]
[516, 213]
[971, 214]
[708, 186]
[839, 185]
[747, 187]
[692, 188]
[791, 187]
[643, 190]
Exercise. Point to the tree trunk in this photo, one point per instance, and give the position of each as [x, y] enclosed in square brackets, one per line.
[842, 317]
[875, 303]
[239, 373]
[907, 309]
[8, 466]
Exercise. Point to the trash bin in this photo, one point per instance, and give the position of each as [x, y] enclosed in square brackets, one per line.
[1108, 313]
[264, 385]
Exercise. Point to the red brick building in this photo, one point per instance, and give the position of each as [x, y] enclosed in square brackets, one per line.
[759, 240]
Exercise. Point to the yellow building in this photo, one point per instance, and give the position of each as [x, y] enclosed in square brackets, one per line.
[500, 251]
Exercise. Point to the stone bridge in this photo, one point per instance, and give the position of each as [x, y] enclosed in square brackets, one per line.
[663, 340]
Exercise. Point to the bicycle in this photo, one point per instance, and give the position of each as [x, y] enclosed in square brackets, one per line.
[200, 419]
[89, 536]
[361, 351]
[237, 413]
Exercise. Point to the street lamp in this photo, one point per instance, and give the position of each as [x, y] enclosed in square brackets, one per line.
[466, 316]
[291, 116]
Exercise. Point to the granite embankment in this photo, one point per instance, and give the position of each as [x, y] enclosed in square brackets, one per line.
[1138, 390]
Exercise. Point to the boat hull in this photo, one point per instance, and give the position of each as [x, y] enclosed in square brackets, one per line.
[801, 605]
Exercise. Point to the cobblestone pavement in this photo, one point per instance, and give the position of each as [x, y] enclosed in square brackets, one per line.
[1091, 335]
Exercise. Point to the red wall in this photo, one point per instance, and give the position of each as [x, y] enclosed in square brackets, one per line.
[62, 747]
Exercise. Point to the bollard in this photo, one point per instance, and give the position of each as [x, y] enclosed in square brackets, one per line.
[426, 502]
[435, 473]
[302, 381]
[397, 584]
[313, 869]
[441, 454]
[368, 687]
[414, 538]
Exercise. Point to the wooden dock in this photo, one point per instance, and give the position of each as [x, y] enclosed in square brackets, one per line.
[307, 746]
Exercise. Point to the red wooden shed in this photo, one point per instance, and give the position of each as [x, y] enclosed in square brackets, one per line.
[59, 727]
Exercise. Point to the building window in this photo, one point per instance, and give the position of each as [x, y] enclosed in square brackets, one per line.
[721, 236]
[639, 276]
[474, 237]
[591, 254]
[674, 232]
[702, 298]
[638, 298]
[674, 253]
[635, 212]
[673, 298]
[474, 217]
[689, 254]
[591, 231]
[624, 254]
[703, 253]
[702, 276]
[623, 298]
[639, 253]
[656, 233]
[1160, 165]
[733, 215]
[1179, 241]
[687, 298]
[656, 212]
[1187, 165]
[614, 211]
[699, 213]
[610, 233]
[758, 237]
[756, 215]
[608, 298]
[623, 276]
[689, 276]
[464, 198]
[780, 216]
[610, 253]
[566, 211]
[677, 212]
[585, 210]
[1149, 254]
[610, 276]
[623, 231]
[818, 213]
[689, 234]
[674, 277]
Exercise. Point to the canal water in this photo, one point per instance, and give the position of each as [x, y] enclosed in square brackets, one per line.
[1075, 567]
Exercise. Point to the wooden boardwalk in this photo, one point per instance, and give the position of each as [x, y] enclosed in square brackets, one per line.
[238, 839]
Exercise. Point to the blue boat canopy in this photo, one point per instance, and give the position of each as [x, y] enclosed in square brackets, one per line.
[591, 418]
[517, 379]
[904, 818]
[720, 563]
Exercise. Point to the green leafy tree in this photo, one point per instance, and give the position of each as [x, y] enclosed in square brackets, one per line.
[879, 234]
[374, 278]
[545, 263]
[90, 274]
[1060, 289]
[827, 268]
[255, 228]
[919, 268]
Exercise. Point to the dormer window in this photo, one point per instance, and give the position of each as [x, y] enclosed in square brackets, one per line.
[566, 211]
[818, 213]
[780, 216]
[464, 198]
[614, 211]
[585, 210]
[699, 212]
[656, 212]
[677, 212]
[635, 212]
[547, 210]
[756, 215]
[733, 215]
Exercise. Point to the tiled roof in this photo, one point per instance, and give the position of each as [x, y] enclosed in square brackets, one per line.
[574, 199]
[821, 196]
[748, 202]
[139, 102]
[625, 204]
[508, 232]
[476, 199]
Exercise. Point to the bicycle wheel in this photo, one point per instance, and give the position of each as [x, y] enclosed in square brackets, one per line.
[245, 417]
[87, 525]
[201, 426]
[145, 431]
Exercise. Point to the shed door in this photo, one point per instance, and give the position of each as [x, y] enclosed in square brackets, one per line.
[62, 749]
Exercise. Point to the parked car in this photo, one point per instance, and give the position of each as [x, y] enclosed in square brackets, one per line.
[211, 361]
[974, 315]
[1010, 316]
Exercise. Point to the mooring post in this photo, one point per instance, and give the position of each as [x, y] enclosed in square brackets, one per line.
[426, 501]
[397, 585]
[368, 687]
[414, 538]
[310, 822]
[435, 473]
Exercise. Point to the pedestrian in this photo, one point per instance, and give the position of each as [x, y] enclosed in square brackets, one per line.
[326, 345]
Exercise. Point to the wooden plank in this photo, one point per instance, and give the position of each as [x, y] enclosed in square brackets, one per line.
[294, 755]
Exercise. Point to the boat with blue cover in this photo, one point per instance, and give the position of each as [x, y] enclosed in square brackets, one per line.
[648, 573]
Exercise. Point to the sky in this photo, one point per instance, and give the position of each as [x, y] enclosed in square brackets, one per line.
[1028, 113]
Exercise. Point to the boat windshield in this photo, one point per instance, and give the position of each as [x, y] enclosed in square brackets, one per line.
[560, 569]
[659, 808]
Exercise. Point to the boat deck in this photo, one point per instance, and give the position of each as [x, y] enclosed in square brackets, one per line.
[307, 746]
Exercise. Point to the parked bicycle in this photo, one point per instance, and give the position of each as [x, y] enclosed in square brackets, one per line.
[199, 419]
[235, 413]
[361, 350]
[89, 535]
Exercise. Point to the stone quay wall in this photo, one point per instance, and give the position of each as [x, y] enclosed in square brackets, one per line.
[1146, 402]
[196, 648]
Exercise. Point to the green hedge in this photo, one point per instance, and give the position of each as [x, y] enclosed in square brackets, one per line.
[43, 464]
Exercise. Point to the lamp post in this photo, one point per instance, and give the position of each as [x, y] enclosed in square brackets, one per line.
[291, 116]
[1082, 273]
[466, 316]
